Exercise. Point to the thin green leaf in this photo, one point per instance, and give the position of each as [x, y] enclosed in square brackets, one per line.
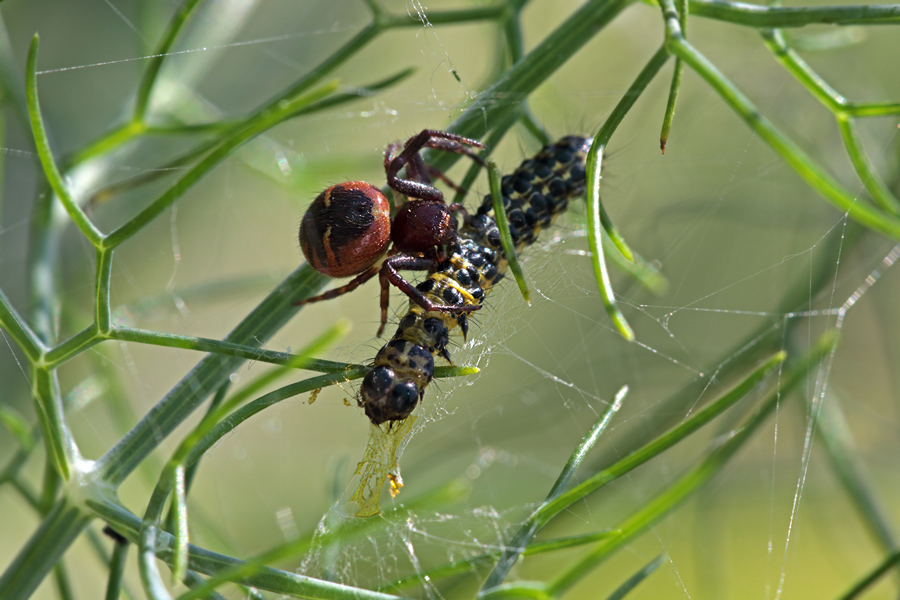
[529, 529]
[18, 426]
[102, 312]
[815, 176]
[754, 15]
[521, 589]
[63, 581]
[636, 579]
[506, 241]
[677, 75]
[836, 438]
[182, 533]
[12, 322]
[872, 577]
[660, 444]
[595, 236]
[42, 145]
[116, 567]
[880, 192]
[264, 119]
[57, 438]
[681, 489]
[596, 213]
[159, 54]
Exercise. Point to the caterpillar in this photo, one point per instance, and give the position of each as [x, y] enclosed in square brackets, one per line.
[537, 191]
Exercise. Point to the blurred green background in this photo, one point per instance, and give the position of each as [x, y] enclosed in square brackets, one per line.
[730, 226]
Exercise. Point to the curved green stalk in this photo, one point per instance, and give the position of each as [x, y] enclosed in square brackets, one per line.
[754, 15]
[116, 564]
[148, 79]
[595, 212]
[506, 241]
[42, 145]
[844, 112]
[12, 322]
[675, 86]
[58, 438]
[791, 153]
[636, 579]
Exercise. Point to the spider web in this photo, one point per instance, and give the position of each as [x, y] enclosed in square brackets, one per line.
[731, 227]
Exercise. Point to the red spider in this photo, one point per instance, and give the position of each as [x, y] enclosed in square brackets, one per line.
[347, 228]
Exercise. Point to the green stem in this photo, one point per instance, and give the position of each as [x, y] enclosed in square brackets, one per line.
[266, 319]
[17, 327]
[45, 548]
[754, 15]
[116, 568]
[873, 576]
[526, 533]
[106, 143]
[73, 346]
[263, 120]
[548, 510]
[595, 212]
[171, 340]
[820, 88]
[148, 79]
[102, 313]
[58, 439]
[444, 17]
[527, 74]
[506, 241]
[63, 582]
[668, 500]
[801, 162]
[42, 144]
[844, 112]
[876, 187]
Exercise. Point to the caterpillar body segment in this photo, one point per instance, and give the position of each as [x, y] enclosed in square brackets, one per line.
[533, 196]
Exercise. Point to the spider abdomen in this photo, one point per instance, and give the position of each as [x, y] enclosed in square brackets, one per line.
[346, 229]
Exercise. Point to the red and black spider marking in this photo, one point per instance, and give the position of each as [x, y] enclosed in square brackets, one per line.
[347, 228]
[533, 195]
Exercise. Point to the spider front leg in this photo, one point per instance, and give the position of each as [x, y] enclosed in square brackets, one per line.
[344, 289]
[417, 183]
[390, 274]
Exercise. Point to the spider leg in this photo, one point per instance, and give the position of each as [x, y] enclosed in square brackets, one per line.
[344, 289]
[458, 145]
[389, 153]
[390, 274]
[436, 173]
[417, 183]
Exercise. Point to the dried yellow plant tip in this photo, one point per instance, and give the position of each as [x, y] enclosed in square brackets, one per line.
[380, 463]
[314, 395]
